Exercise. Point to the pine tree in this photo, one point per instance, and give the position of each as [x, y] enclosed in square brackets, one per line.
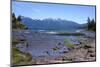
[89, 22]
[19, 18]
[91, 25]
[13, 17]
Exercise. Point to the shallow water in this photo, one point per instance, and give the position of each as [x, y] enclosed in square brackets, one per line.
[42, 44]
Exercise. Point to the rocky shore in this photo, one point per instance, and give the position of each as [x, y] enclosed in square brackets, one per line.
[80, 53]
[75, 49]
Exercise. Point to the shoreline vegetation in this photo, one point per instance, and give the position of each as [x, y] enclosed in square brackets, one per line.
[18, 57]
[83, 51]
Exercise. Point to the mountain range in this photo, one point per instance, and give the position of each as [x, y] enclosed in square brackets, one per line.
[50, 24]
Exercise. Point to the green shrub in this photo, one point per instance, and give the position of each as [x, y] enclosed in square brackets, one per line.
[68, 43]
[19, 57]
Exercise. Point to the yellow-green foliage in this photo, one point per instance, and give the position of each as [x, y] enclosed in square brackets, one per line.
[15, 42]
[68, 43]
[20, 58]
[16, 58]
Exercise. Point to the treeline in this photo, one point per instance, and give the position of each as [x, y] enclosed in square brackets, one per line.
[91, 25]
[16, 22]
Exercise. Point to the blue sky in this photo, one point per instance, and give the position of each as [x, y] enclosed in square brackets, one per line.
[75, 13]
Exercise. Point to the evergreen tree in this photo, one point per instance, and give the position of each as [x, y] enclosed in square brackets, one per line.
[16, 23]
[89, 22]
[13, 17]
[19, 18]
[91, 25]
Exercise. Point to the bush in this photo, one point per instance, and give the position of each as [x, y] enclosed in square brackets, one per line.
[19, 57]
[68, 43]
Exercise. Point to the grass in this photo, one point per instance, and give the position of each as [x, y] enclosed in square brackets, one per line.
[68, 43]
[19, 57]
[16, 57]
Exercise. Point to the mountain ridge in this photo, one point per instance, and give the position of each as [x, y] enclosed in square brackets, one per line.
[50, 24]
